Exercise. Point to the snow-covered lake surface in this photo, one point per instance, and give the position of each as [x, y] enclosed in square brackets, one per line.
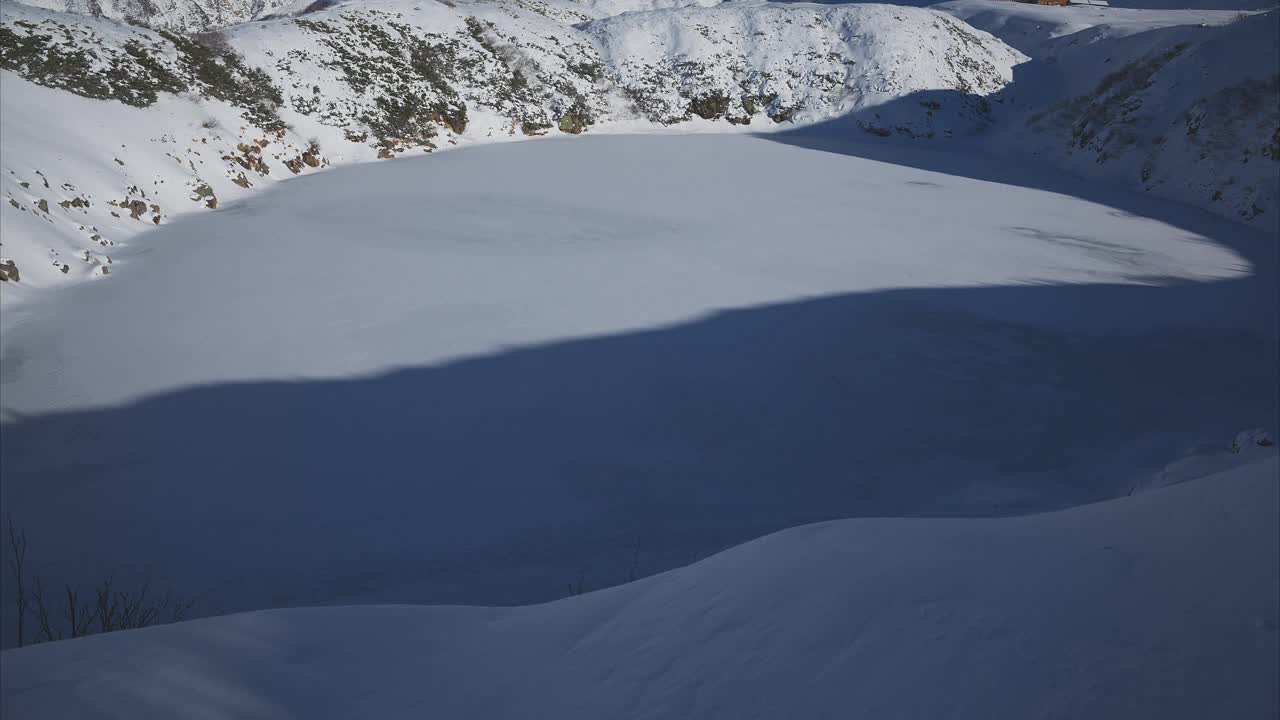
[487, 375]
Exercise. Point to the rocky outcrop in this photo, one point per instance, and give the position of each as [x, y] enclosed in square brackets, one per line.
[9, 271]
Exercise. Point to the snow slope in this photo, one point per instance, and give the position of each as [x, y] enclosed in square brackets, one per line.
[1161, 117]
[798, 61]
[485, 375]
[176, 15]
[153, 118]
[1163, 605]
[1032, 28]
[1180, 103]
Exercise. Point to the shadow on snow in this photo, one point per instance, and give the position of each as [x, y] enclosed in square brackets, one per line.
[504, 479]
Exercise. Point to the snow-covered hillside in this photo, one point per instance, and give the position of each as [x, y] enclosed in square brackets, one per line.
[141, 126]
[792, 61]
[175, 15]
[771, 265]
[1162, 605]
[1183, 104]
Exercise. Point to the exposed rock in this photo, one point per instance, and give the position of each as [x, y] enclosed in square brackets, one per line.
[135, 207]
[8, 271]
[205, 192]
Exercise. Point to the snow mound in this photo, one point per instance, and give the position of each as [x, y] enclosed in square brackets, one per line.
[1163, 605]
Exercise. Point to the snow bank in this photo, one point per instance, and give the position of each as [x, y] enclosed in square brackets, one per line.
[1163, 605]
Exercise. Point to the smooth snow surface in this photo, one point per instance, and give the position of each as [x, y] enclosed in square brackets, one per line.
[490, 374]
[1163, 605]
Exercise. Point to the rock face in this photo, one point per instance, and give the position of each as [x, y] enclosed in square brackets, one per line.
[9, 271]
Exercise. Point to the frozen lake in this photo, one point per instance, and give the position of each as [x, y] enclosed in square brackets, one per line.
[484, 376]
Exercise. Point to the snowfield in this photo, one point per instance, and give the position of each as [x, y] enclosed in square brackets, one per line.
[839, 360]
[483, 376]
[1162, 605]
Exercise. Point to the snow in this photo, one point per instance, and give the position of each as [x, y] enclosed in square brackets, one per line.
[873, 70]
[841, 58]
[1128, 97]
[1144, 109]
[1162, 605]
[1029, 27]
[1030, 412]
[175, 15]
[186, 141]
[477, 376]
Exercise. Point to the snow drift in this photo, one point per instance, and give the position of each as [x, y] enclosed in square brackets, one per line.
[1162, 605]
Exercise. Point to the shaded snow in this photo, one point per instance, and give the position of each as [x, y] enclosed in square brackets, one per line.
[341, 68]
[177, 15]
[481, 376]
[1162, 605]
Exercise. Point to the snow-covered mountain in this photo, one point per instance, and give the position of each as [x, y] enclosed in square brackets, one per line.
[174, 15]
[1182, 104]
[479, 376]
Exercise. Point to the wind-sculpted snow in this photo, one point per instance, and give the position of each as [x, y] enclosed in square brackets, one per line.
[1158, 606]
